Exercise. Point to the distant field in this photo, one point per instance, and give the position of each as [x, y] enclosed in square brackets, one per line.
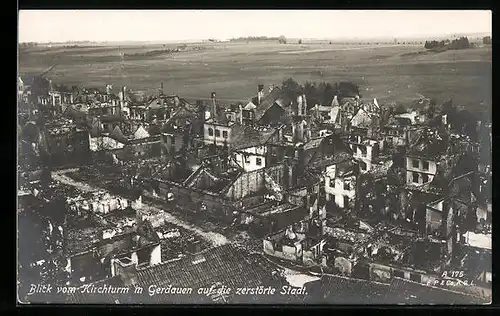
[391, 73]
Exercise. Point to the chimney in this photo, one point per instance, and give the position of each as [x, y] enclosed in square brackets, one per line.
[241, 114]
[126, 269]
[214, 105]
[271, 87]
[308, 133]
[161, 88]
[291, 175]
[122, 97]
[335, 101]
[298, 130]
[299, 159]
[194, 247]
[260, 93]
[299, 105]
[304, 105]
[108, 89]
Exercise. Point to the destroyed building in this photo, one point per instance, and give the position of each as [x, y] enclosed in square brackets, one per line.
[66, 143]
[95, 244]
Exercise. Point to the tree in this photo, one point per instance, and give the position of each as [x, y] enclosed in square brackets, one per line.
[300, 41]
[430, 109]
[329, 93]
[282, 39]
[400, 109]
[347, 89]
[292, 88]
[311, 93]
[487, 40]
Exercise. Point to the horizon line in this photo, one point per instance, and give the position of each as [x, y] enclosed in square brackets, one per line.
[288, 37]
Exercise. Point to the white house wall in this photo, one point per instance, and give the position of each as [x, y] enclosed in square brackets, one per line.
[104, 143]
[156, 255]
[218, 140]
[251, 154]
[338, 192]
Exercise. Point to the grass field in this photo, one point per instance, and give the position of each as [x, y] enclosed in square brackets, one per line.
[391, 73]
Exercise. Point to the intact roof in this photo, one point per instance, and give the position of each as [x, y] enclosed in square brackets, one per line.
[248, 136]
[227, 265]
[338, 290]
[268, 101]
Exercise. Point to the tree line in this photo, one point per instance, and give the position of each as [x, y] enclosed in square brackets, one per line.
[320, 93]
[487, 40]
[281, 39]
[459, 43]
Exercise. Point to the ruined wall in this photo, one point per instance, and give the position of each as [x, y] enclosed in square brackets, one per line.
[420, 170]
[188, 198]
[336, 190]
[251, 159]
[204, 181]
[433, 220]
[246, 184]
[252, 182]
[380, 273]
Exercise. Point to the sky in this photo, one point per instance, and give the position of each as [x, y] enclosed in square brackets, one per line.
[171, 25]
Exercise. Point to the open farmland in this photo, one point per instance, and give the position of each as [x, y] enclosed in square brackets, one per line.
[391, 73]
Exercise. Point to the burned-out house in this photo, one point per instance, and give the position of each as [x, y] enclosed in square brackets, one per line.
[217, 128]
[301, 242]
[265, 110]
[103, 232]
[433, 154]
[366, 150]
[66, 143]
[178, 132]
[251, 146]
[126, 140]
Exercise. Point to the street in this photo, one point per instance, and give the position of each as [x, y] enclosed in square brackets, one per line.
[215, 239]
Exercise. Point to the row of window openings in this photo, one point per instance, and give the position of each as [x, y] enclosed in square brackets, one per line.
[425, 177]
[217, 133]
[258, 161]
[416, 164]
[347, 185]
[346, 199]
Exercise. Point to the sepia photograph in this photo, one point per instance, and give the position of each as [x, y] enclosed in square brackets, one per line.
[254, 157]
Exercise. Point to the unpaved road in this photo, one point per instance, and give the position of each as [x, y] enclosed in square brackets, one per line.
[215, 239]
